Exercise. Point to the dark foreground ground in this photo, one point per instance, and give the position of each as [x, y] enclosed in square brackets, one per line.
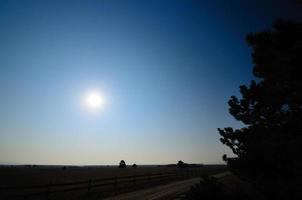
[120, 180]
[176, 190]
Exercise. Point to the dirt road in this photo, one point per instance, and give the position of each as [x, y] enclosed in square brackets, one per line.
[164, 191]
[159, 192]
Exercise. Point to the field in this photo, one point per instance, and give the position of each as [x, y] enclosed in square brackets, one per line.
[12, 176]
[43, 175]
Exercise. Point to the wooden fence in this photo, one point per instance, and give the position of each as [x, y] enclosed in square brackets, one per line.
[109, 184]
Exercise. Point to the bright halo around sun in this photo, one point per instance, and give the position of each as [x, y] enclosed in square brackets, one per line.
[94, 100]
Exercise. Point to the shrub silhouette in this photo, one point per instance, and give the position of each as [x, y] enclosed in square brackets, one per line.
[134, 165]
[122, 164]
[210, 189]
[269, 146]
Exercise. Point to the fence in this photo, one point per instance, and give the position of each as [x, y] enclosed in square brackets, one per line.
[108, 184]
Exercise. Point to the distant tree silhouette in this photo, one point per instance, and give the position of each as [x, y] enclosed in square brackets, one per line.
[181, 164]
[269, 146]
[134, 165]
[122, 164]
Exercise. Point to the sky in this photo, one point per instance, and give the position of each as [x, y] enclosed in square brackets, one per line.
[166, 70]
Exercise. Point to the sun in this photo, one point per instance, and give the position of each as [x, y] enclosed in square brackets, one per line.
[94, 100]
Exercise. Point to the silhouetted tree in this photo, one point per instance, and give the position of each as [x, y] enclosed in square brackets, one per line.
[134, 165]
[122, 164]
[181, 164]
[269, 146]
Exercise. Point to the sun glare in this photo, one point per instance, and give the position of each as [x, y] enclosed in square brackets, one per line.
[94, 100]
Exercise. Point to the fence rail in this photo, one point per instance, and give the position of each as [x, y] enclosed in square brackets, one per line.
[48, 189]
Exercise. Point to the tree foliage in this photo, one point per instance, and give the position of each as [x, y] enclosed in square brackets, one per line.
[268, 148]
[181, 164]
[122, 164]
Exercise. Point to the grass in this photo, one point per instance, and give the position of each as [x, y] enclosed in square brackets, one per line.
[12, 176]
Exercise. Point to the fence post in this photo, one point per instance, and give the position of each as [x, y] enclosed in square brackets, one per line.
[134, 180]
[115, 185]
[89, 185]
[48, 191]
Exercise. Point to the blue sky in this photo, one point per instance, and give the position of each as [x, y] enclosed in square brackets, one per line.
[166, 69]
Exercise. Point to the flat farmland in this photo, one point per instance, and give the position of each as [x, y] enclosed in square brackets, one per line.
[40, 179]
[21, 175]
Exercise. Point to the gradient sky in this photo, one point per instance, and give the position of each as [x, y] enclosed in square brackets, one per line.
[166, 68]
